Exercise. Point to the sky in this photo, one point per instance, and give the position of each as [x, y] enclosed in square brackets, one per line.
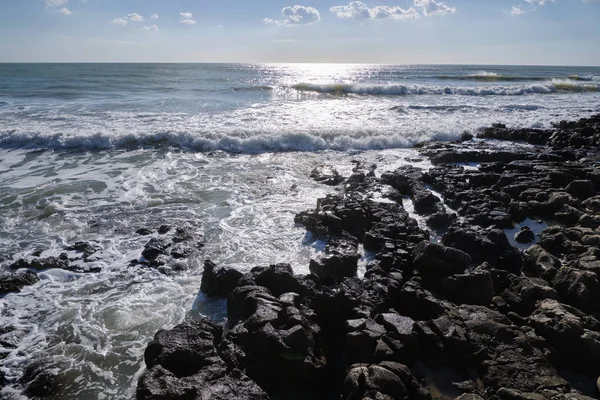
[523, 32]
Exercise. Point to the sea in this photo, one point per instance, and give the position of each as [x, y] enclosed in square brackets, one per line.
[93, 152]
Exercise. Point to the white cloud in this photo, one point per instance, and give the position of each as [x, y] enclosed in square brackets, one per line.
[65, 11]
[135, 17]
[296, 15]
[154, 16]
[186, 18]
[432, 7]
[55, 3]
[538, 2]
[119, 21]
[151, 28]
[517, 10]
[360, 11]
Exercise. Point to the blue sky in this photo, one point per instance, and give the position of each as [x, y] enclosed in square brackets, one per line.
[559, 32]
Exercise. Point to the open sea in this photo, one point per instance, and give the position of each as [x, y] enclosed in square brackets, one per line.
[93, 152]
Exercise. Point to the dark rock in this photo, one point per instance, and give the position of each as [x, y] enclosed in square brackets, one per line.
[17, 281]
[484, 245]
[582, 189]
[85, 247]
[327, 175]
[212, 382]
[154, 248]
[525, 235]
[387, 380]
[476, 287]
[144, 231]
[339, 261]
[580, 288]
[218, 281]
[565, 328]
[434, 261]
[164, 229]
[540, 263]
[185, 349]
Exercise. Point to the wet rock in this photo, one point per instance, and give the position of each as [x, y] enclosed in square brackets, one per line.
[327, 175]
[60, 262]
[144, 231]
[154, 248]
[434, 261]
[17, 281]
[525, 235]
[164, 229]
[339, 261]
[85, 247]
[218, 281]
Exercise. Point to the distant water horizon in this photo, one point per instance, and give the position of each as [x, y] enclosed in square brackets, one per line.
[267, 107]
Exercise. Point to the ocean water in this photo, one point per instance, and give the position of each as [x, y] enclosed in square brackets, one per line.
[95, 151]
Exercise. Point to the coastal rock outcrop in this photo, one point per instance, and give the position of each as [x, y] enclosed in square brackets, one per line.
[504, 316]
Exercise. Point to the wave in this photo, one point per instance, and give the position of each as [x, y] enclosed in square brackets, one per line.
[255, 144]
[493, 77]
[556, 86]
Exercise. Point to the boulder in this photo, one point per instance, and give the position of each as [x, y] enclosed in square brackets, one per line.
[582, 189]
[434, 261]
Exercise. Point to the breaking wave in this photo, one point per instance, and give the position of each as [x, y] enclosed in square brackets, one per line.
[556, 86]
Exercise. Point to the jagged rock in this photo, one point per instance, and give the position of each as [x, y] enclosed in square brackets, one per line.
[183, 363]
[339, 261]
[60, 262]
[85, 247]
[218, 281]
[476, 287]
[577, 287]
[566, 328]
[489, 246]
[540, 263]
[327, 175]
[17, 281]
[434, 261]
[154, 248]
[387, 380]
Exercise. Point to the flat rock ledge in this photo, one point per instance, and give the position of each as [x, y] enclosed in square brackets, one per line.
[472, 315]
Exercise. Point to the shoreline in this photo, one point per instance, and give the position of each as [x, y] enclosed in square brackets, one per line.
[472, 316]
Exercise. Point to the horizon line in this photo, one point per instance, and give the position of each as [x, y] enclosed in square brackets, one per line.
[292, 63]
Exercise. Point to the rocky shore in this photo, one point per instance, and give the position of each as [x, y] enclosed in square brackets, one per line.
[486, 287]
[452, 308]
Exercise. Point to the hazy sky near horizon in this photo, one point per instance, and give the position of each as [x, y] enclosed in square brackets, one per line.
[555, 32]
